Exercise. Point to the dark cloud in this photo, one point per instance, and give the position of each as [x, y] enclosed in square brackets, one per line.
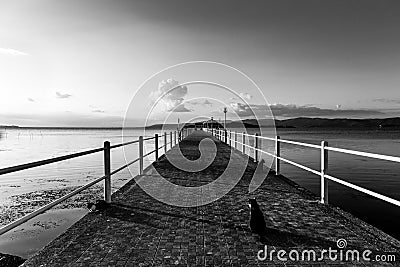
[206, 102]
[307, 111]
[291, 111]
[61, 95]
[387, 100]
[180, 108]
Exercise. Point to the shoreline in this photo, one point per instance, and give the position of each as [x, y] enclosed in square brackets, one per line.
[27, 239]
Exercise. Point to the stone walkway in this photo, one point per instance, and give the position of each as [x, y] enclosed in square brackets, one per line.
[138, 230]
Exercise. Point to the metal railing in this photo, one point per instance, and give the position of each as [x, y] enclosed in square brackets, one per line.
[107, 169]
[230, 137]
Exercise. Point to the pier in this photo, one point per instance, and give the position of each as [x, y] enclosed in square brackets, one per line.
[138, 230]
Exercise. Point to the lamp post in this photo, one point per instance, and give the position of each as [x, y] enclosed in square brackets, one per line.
[225, 111]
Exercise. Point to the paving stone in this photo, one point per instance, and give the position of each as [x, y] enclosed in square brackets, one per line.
[138, 230]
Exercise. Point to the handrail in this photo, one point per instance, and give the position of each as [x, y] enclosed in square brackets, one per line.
[364, 154]
[31, 215]
[47, 161]
[324, 161]
[364, 190]
[124, 144]
[291, 142]
[106, 150]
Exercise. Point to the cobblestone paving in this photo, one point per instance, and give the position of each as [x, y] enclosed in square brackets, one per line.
[138, 230]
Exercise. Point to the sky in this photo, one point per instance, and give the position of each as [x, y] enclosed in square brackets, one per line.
[95, 62]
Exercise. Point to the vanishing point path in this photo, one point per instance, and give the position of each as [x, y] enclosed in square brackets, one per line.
[138, 230]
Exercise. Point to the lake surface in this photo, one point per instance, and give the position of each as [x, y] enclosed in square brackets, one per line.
[18, 146]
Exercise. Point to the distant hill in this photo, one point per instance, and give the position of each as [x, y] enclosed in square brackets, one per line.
[161, 126]
[339, 123]
[9, 126]
[321, 123]
[388, 123]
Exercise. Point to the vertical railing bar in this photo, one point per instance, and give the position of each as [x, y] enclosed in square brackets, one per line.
[256, 147]
[260, 147]
[156, 146]
[170, 137]
[226, 136]
[140, 155]
[107, 171]
[175, 137]
[324, 167]
[165, 142]
[235, 140]
[244, 142]
[277, 155]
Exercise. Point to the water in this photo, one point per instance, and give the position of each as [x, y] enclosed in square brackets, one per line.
[18, 146]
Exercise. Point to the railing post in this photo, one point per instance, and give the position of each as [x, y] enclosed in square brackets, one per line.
[170, 137]
[175, 137]
[324, 168]
[165, 142]
[255, 147]
[230, 138]
[107, 171]
[235, 140]
[140, 155]
[277, 154]
[226, 136]
[244, 142]
[156, 145]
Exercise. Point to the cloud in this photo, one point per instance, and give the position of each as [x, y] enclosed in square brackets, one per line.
[12, 52]
[98, 111]
[387, 100]
[242, 110]
[171, 96]
[291, 111]
[60, 95]
[181, 108]
[204, 102]
[31, 99]
[246, 96]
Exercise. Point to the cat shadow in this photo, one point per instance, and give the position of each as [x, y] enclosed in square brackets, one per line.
[128, 215]
[282, 238]
[146, 215]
